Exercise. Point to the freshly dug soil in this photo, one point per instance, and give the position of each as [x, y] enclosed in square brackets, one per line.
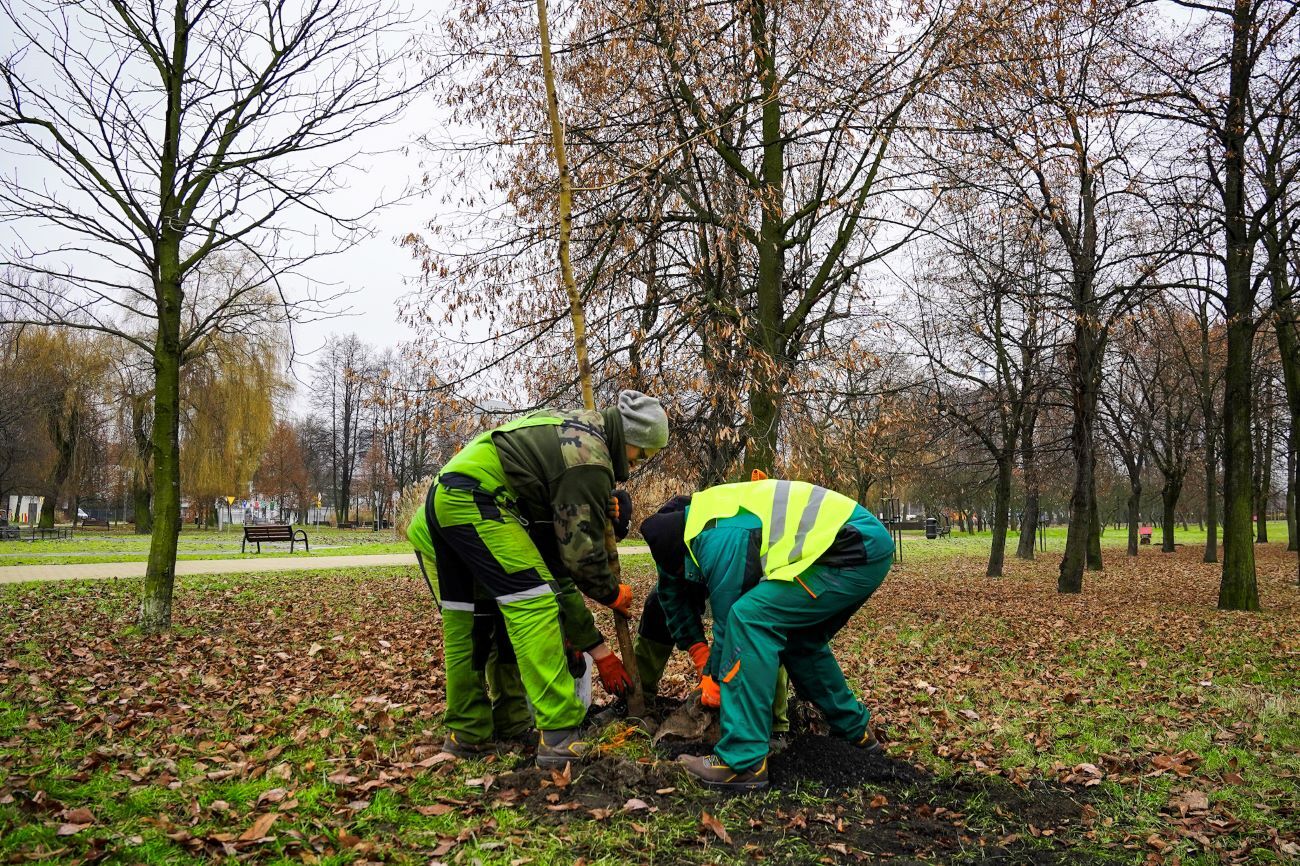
[831, 764]
[606, 783]
[826, 795]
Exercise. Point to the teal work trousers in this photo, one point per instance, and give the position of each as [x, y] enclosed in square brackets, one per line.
[790, 623]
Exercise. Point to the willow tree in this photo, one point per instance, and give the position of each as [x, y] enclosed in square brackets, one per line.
[71, 370]
[157, 135]
[229, 395]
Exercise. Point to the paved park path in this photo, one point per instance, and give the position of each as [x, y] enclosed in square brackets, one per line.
[93, 570]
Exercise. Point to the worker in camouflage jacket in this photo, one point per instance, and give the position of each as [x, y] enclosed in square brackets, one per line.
[484, 517]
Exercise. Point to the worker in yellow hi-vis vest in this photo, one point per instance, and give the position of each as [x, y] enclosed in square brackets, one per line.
[785, 565]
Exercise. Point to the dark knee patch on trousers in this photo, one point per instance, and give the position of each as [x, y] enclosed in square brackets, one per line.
[488, 633]
[484, 567]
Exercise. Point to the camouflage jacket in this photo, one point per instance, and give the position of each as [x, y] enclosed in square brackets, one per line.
[564, 475]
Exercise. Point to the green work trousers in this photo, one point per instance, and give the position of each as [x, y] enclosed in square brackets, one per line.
[484, 559]
[791, 623]
[652, 657]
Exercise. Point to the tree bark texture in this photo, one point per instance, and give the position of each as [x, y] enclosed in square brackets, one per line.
[1237, 586]
[160, 573]
[1001, 515]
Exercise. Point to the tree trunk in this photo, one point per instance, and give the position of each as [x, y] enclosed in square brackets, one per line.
[1134, 517]
[1028, 528]
[1290, 491]
[1094, 523]
[46, 519]
[764, 396]
[1211, 504]
[1001, 516]
[1169, 500]
[141, 477]
[1070, 578]
[1264, 480]
[160, 573]
[141, 497]
[1237, 588]
[1029, 522]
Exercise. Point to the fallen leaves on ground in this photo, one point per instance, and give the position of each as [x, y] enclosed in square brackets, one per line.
[999, 678]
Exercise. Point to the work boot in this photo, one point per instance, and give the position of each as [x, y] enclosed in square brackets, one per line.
[557, 748]
[869, 742]
[524, 740]
[460, 749]
[711, 771]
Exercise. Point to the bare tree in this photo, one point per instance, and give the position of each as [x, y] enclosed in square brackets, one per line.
[1125, 417]
[165, 133]
[1219, 77]
[1039, 108]
[984, 332]
[339, 389]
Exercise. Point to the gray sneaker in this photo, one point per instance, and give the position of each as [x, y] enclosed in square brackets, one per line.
[557, 748]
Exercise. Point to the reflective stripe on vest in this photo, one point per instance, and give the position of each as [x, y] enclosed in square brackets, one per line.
[800, 520]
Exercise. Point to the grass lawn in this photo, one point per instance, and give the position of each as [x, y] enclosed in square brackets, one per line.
[295, 718]
[976, 544]
[97, 545]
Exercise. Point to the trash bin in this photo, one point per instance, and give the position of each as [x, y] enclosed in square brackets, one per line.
[932, 528]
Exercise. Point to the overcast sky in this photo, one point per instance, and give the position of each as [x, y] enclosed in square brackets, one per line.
[375, 271]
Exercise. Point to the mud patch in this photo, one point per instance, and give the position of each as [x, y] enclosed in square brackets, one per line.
[1038, 804]
[608, 784]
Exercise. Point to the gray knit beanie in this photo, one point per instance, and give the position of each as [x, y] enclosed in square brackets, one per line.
[645, 424]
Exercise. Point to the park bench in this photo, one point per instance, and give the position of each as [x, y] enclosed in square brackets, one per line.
[273, 532]
[94, 522]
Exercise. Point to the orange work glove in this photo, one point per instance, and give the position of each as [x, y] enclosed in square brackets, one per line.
[620, 601]
[699, 654]
[613, 676]
[757, 475]
[710, 695]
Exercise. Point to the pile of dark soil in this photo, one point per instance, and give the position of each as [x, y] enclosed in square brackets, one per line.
[831, 764]
[828, 797]
[608, 783]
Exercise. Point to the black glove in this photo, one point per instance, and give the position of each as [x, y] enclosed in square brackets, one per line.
[620, 512]
[576, 660]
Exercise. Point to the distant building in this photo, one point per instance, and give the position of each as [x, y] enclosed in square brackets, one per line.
[22, 510]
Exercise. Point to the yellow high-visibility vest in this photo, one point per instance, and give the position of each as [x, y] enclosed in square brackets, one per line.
[800, 520]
